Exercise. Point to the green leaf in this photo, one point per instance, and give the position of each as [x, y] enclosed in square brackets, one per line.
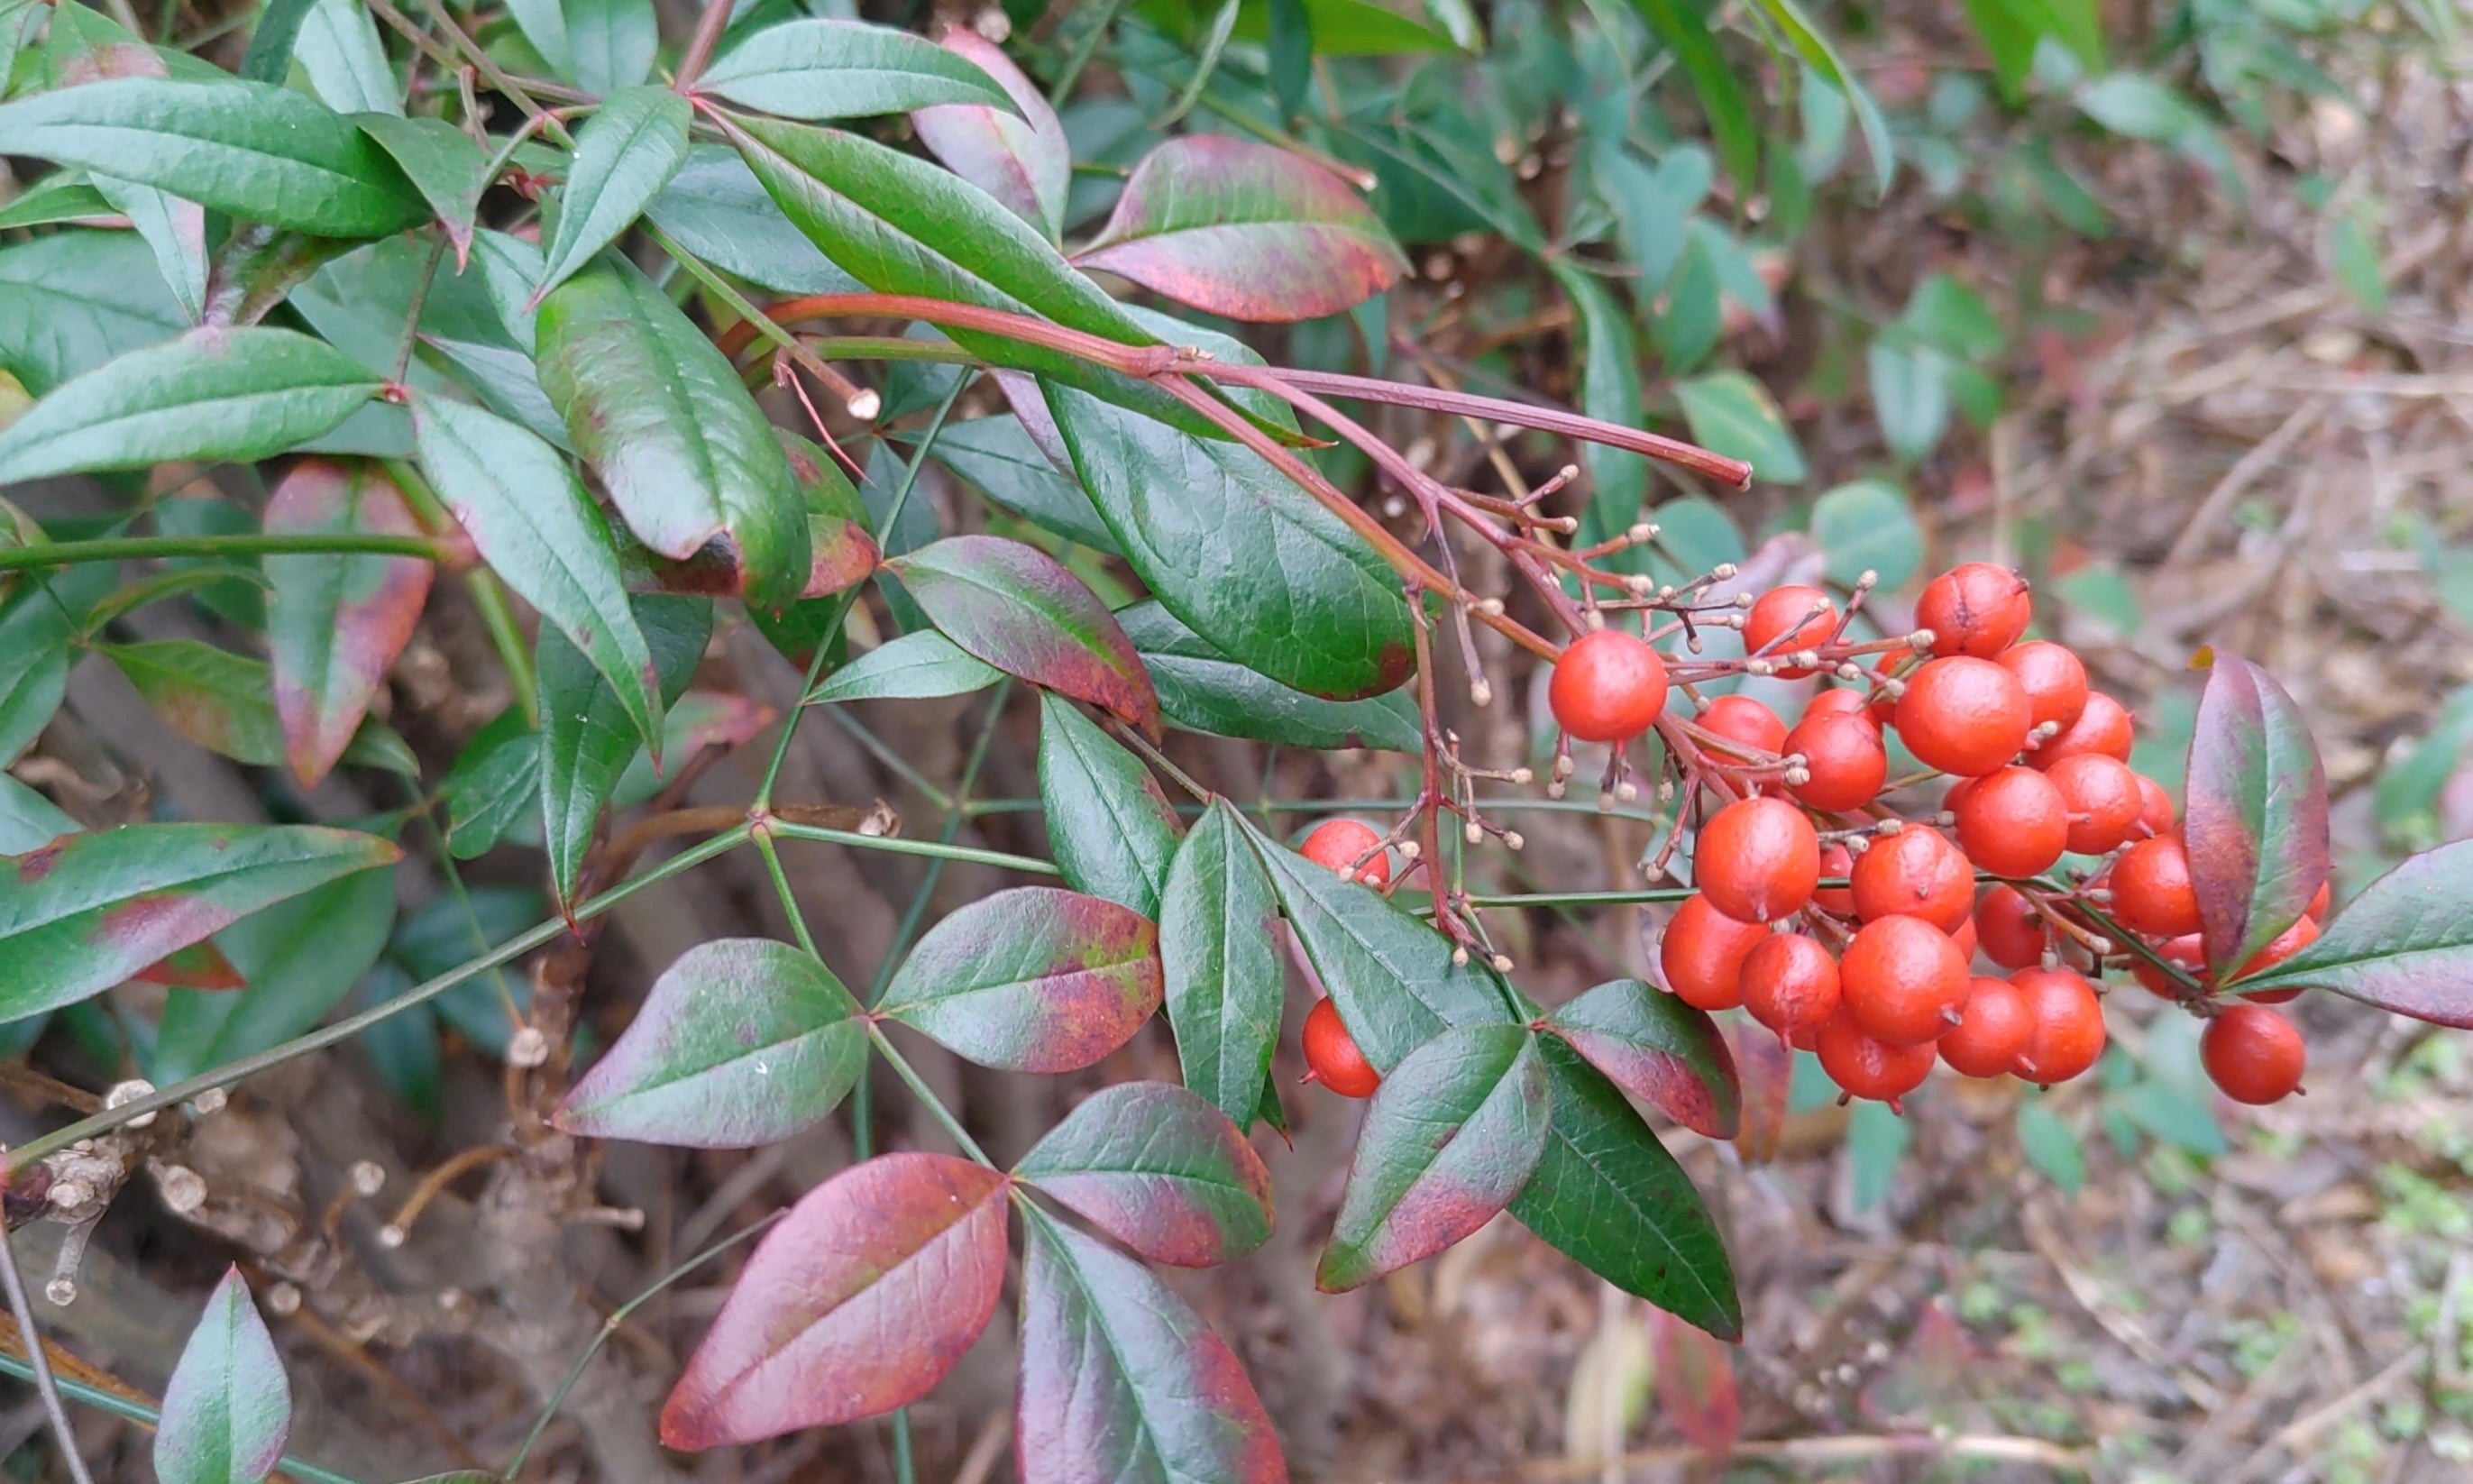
[743, 1042]
[338, 49]
[716, 208]
[1733, 415]
[1945, 313]
[1684, 30]
[228, 1407]
[1813, 46]
[586, 738]
[1241, 556]
[2358, 268]
[2255, 814]
[2050, 1146]
[1651, 206]
[174, 230]
[91, 910]
[1695, 315]
[1110, 829]
[442, 162]
[1875, 1140]
[1159, 1169]
[624, 155]
[998, 456]
[490, 789]
[2174, 1116]
[610, 44]
[225, 702]
[1659, 1050]
[28, 821]
[1910, 397]
[77, 300]
[914, 668]
[270, 45]
[36, 629]
[1348, 28]
[1610, 391]
[827, 69]
[1034, 979]
[61, 196]
[1608, 1195]
[214, 394]
[1201, 689]
[687, 457]
[260, 153]
[1866, 526]
[2139, 107]
[299, 958]
[1219, 947]
[2404, 944]
[543, 537]
[1018, 154]
[1454, 1133]
[336, 622]
[1019, 610]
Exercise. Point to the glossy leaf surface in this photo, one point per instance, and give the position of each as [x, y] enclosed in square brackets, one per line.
[824, 70]
[1021, 610]
[228, 1407]
[443, 163]
[1201, 689]
[718, 210]
[335, 623]
[1110, 829]
[2255, 820]
[81, 297]
[1034, 979]
[1658, 1049]
[1019, 155]
[2404, 944]
[1160, 1170]
[295, 961]
[914, 668]
[624, 155]
[999, 456]
[586, 738]
[225, 703]
[1220, 950]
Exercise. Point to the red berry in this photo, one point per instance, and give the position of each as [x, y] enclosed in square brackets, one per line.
[1333, 1055]
[2150, 888]
[1340, 844]
[1790, 984]
[1915, 872]
[1994, 1029]
[1746, 723]
[2069, 1026]
[1903, 980]
[2012, 823]
[1609, 686]
[1871, 1068]
[1963, 935]
[2293, 940]
[1788, 619]
[1845, 758]
[2156, 815]
[1836, 861]
[2103, 726]
[2054, 679]
[2252, 1053]
[1757, 860]
[1840, 701]
[1963, 715]
[1702, 954]
[1977, 610]
[2014, 933]
[2187, 952]
[2103, 801]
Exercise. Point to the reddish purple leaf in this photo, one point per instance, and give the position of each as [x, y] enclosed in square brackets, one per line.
[1036, 979]
[1024, 163]
[1019, 610]
[201, 966]
[1766, 1069]
[840, 551]
[1159, 1169]
[1696, 1386]
[2256, 819]
[335, 624]
[1246, 230]
[858, 1303]
[1658, 1049]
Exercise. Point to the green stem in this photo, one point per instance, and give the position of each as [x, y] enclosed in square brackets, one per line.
[927, 1095]
[38, 1365]
[772, 854]
[498, 616]
[1584, 899]
[932, 848]
[142, 548]
[145, 1416]
[507, 952]
[1083, 51]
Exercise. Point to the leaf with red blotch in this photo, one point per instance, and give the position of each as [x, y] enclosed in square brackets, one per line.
[1765, 1069]
[1024, 163]
[87, 911]
[1452, 1133]
[1121, 1381]
[1160, 1170]
[858, 1303]
[1019, 610]
[201, 966]
[335, 623]
[1036, 979]
[2405, 944]
[2256, 819]
[841, 550]
[1696, 1386]
[1658, 1049]
[225, 702]
[1245, 230]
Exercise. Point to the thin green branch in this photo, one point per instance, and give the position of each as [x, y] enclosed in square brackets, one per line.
[144, 548]
[927, 1095]
[38, 1366]
[498, 615]
[932, 848]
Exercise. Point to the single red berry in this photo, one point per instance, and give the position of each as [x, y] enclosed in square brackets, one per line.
[1757, 860]
[1790, 984]
[1746, 723]
[1333, 1055]
[2103, 798]
[1702, 954]
[1915, 872]
[1993, 1029]
[1963, 935]
[1963, 715]
[2187, 952]
[1976, 609]
[2014, 933]
[2013, 822]
[2053, 678]
[1840, 699]
[2103, 726]
[2069, 1026]
[2150, 888]
[1903, 980]
[1609, 686]
[1836, 861]
[1844, 757]
[1788, 619]
[2252, 1053]
[2155, 809]
[1340, 844]
[2293, 940]
[1868, 1067]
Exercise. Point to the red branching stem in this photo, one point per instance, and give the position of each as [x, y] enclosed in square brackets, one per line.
[1145, 361]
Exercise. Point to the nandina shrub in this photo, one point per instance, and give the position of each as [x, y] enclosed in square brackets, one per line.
[571, 363]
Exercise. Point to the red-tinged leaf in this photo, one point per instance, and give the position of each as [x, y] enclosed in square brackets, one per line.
[1246, 230]
[858, 1303]
[1122, 1381]
[1024, 163]
[224, 701]
[201, 966]
[87, 911]
[841, 551]
[1036, 979]
[2404, 944]
[1452, 1133]
[228, 1407]
[2256, 819]
[1019, 610]
[1767, 1072]
[1696, 1386]
[743, 1042]
[1658, 1049]
[1160, 1170]
[335, 623]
